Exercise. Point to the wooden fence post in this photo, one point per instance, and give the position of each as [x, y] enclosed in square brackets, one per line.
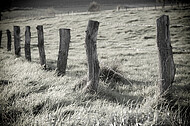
[27, 43]
[8, 40]
[17, 40]
[91, 51]
[41, 45]
[166, 63]
[0, 38]
[63, 51]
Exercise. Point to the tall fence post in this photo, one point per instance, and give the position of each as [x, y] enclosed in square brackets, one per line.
[17, 40]
[166, 62]
[91, 51]
[63, 51]
[0, 38]
[41, 45]
[27, 43]
[8, 40]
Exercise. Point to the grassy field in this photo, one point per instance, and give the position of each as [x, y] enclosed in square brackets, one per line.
[126, 42]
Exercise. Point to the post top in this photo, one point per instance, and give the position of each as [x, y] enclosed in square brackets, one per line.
[65, 29]
[163, 17]
[92, 21]
[39, 27]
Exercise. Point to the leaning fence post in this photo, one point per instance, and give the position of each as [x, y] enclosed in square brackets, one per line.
[8, 40]
[17, 40]
[63, 51]
[92, 57]
[41, 45]
[166, 63]
[27, 43]
[0, 38]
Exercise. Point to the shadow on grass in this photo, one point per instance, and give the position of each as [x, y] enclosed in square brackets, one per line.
[113, 95]
[182, 88]
[109, 93]
[9, 116]
[111, 80]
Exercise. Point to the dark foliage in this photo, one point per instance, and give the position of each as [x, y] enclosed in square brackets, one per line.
[94, 6]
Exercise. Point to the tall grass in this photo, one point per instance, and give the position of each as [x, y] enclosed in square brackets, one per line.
[30, 95]
[39, 97]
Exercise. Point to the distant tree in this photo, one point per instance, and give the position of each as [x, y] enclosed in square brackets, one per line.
[94, 6]
[178, 2]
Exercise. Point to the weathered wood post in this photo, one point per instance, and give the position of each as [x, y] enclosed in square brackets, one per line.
[92, 57]
[8, 40]
[41, 45]
[166, 63]
[0, 38]
[63, 51]
[27, 43]
[17, 40]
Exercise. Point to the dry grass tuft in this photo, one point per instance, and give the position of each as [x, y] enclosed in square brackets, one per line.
[80, 84]
[113, 76]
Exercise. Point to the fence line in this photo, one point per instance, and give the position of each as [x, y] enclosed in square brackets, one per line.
[167, 66]
[177, 49]
[8, 32]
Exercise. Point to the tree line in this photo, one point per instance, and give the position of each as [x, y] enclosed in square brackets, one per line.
[177, 2]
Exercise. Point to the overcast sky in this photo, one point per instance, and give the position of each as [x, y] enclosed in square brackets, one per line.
[74, 2]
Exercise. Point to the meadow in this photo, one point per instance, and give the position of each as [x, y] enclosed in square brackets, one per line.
[126, 42]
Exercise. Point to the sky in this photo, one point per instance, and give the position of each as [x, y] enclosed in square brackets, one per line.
[73, 2]
[7, 4]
